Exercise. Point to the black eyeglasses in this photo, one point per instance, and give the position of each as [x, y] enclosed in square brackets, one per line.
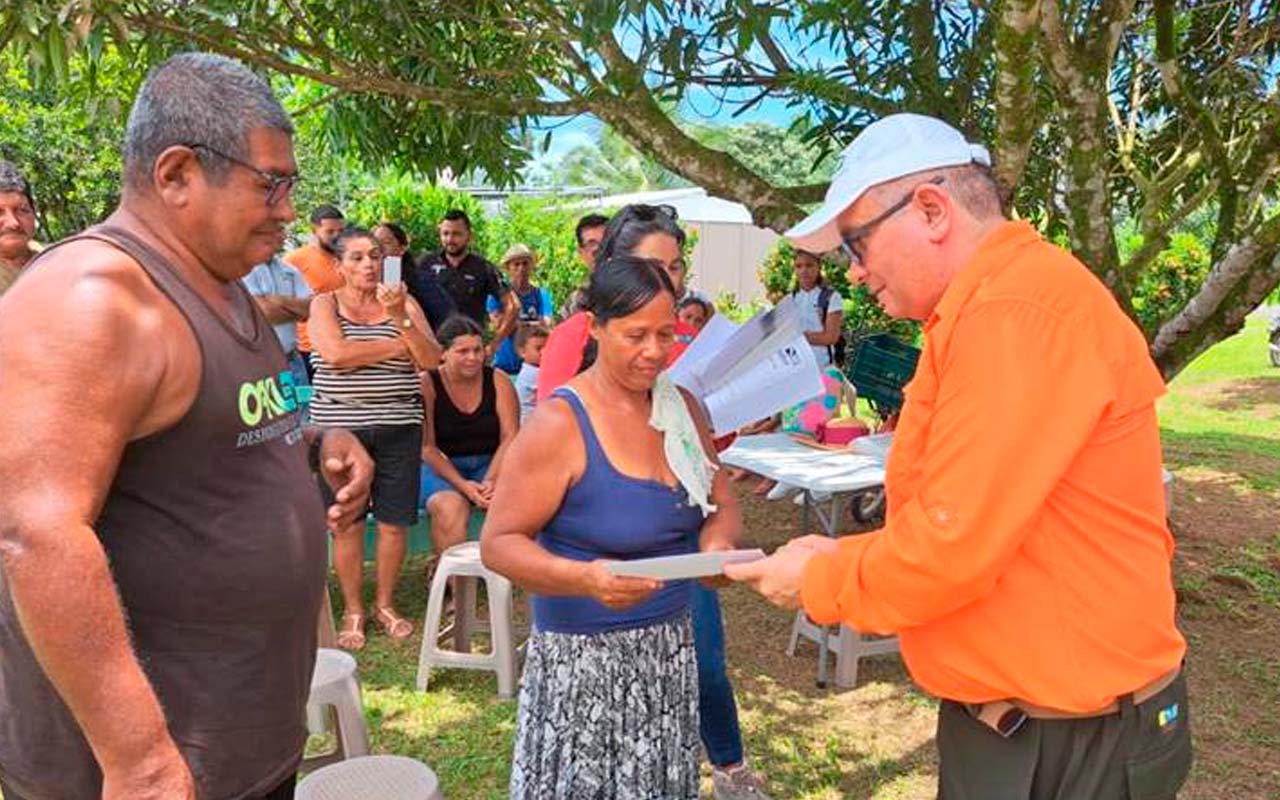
[278, 186]
[851, 242]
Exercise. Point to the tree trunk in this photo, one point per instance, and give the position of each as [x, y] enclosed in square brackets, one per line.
[1015, 100]
[1079, 73]
[1087, 193]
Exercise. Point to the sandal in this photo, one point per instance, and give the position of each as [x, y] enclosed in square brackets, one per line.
[394, 625]
[351, 636]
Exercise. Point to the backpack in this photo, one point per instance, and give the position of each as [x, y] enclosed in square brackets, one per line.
[836, 351]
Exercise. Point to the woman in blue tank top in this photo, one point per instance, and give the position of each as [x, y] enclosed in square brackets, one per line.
[609, 697]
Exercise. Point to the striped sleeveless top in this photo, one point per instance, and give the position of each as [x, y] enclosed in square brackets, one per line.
[386, 393]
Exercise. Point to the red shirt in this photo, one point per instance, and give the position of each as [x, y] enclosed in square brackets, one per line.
[562, 354]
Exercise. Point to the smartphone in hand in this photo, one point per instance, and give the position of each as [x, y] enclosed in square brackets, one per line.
[391, 271]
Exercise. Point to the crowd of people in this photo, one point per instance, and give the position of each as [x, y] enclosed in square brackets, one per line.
[444, 400]
[210, 406]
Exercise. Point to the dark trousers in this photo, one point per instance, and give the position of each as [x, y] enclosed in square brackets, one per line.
[1139, 753]
[717, 710]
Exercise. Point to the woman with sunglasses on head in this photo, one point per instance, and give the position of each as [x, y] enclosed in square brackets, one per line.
[638, 230]
[651, 232]
[609, 698]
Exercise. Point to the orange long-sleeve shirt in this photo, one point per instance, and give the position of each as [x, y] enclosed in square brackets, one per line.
[1025, 554]
[319, 269]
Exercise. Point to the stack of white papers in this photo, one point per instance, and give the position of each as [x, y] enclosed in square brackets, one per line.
[743, 373]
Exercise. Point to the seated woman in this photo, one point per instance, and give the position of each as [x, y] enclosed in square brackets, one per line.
[370, 341]
[472, 414]
[609, 698]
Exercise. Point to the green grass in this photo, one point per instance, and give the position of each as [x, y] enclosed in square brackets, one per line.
[1223, 411]
[459, 726]
[1220, 424]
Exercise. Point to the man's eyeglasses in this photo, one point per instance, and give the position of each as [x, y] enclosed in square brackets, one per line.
[851, 241]
[278, 186]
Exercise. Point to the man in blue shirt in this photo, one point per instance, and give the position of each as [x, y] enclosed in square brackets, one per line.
[535, 305]
[285, 299]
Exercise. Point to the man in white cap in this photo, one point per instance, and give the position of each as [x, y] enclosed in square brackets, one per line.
[1025, 560]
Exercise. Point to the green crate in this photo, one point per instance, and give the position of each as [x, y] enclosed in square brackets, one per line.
[879, 365]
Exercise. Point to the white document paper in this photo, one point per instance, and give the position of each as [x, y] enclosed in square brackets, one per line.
[742, 373]
[689, 369]
[693, 565]
[785, 377]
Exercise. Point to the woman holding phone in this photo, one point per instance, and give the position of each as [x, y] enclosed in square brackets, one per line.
[370, 342]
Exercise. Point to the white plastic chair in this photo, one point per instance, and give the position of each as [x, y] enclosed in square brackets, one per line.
[334, 683]
[371, 778]
[463, 562]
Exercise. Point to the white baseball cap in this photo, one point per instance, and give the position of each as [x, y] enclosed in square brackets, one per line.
[887, 149]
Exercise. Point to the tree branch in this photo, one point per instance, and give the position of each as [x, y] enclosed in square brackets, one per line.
[1200, 118]
[773, 52]
[1248, 272]
[477, 102]
[1155, 234]
[635, 115]
[1061, 54]
[923, 63]
[1081, 82]
[1263, 161]
[809, 193]
[1111, 18]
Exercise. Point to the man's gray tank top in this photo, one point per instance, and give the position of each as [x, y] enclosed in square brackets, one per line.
[215, 534]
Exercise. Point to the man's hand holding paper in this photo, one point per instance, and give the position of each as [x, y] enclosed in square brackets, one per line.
[778, 577]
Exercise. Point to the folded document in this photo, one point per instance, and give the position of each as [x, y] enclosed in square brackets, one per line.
[692, 565]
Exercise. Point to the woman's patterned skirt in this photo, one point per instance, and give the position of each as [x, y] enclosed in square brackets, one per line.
[609, 716]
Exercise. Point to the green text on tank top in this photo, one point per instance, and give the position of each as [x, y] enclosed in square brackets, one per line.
[215, 534]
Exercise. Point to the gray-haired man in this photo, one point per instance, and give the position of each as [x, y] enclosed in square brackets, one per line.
[162, 540]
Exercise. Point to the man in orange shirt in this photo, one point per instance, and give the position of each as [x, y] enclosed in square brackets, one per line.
[318, 264]
[1025, 560]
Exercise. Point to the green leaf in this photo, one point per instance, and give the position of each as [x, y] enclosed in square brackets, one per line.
[57, 53]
